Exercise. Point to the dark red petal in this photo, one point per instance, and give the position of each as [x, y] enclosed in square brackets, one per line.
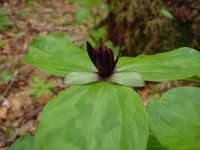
[99, 53]
[110, 61]
[91, 52]
[104, 61]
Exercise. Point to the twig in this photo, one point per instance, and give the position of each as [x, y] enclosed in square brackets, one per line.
[10, 85]
[5, 148]
[33, 113]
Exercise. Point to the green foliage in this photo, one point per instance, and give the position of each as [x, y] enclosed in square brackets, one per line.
[57, 56]
[40, 87]
[24, 143]
[4, 21]
[195, 78]
[30, 1]
[154, 144]
[98, 36]
[166, 13]
[82, 15]
[86, 3]
[99, 116]
[60, 57]
[179, 64]
[5, 76]
[106, 116]
[2, 43]
[175, 118]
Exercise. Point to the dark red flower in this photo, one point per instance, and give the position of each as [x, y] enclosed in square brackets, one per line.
[103, 59]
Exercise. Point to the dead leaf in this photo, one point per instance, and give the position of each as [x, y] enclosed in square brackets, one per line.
[3, 112]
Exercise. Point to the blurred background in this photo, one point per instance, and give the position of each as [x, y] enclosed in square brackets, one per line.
[140, 26]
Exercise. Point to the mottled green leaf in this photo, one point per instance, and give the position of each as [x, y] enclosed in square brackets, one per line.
[98, 116]
[57, 56]
[129, 78]
[24, 143]
[79, 78]
[174, 65]
[175, 118]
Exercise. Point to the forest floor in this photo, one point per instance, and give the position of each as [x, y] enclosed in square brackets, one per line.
[19, 108]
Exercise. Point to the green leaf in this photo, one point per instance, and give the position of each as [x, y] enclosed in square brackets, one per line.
[98, 116]
[86, 3]
[2, 12]
[98, 34]
[175, 118]
[57, 56]
[195, 79]
[40, 87]
[2, 43]
[5, 76]
[154, 144]
[82, 15]
[24, 143]
[129, 78]
[166, 13]
[4, 21]
[174, 65]
[79, 78]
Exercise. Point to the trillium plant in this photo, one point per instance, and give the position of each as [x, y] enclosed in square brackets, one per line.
[102, 111]
[103, 59]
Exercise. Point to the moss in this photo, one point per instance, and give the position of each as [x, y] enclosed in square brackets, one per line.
[139, 25]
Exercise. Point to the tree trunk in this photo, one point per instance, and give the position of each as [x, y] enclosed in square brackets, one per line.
[141, 27]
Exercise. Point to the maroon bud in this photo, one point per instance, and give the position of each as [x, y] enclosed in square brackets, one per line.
[103, 59]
